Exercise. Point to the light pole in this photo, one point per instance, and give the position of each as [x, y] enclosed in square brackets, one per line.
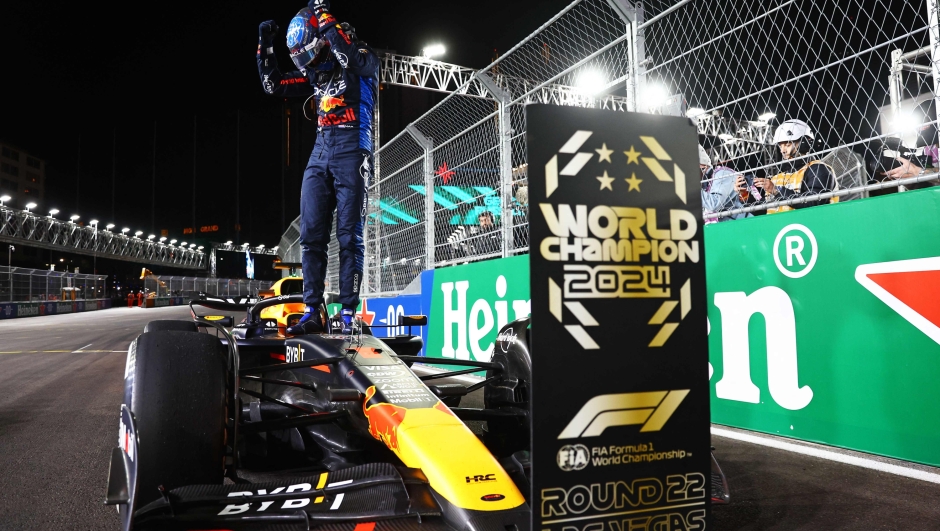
[94, 266]
[10, 268]
[30, 206]
[4, 199]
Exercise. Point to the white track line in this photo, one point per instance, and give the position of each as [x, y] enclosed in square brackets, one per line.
[83, 348]
[829, 455]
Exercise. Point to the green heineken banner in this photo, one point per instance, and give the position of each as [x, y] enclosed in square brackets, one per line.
[825, 324]
[620, 413]
[469, 304]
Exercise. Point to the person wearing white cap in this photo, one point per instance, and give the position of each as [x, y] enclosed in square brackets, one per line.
[799, 176]
[718, 192]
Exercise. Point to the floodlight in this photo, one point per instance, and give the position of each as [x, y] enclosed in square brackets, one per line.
[74, 217]
[138, 233]
[162, 239]
[109, 226]
[655, 95]
[30, 206]
[767, 116]
[590, 82]
[172, 242]
[53, 212]
[906, 123]
[4, 199]
[228, 242]
[694, 112]
[433, 50]
[93, 222]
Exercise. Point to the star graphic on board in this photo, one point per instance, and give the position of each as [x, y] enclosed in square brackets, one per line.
[445, 173]
[365, 315]
[633, 156]
[603, 154]
[605, 181]
[634, 183]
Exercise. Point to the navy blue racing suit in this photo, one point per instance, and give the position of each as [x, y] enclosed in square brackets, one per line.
[340, 167]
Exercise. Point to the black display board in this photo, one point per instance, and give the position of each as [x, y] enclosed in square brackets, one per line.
[620, 438]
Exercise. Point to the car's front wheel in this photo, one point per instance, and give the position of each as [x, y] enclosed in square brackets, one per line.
[179, 402]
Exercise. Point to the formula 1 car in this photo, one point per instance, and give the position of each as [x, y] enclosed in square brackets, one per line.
[326, 430]
[330, 431]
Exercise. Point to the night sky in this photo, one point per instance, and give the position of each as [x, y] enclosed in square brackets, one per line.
[85, 80]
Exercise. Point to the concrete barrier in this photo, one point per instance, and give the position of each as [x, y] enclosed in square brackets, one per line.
[13, 310]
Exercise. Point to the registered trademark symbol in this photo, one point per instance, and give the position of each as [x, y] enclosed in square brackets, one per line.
[797, 256]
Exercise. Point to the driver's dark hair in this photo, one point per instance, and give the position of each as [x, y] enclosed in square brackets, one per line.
[486, 213]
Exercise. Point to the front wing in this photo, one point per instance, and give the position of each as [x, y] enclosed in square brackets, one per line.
[373, 497]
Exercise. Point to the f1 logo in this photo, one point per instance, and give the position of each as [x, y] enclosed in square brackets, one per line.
[651, 409]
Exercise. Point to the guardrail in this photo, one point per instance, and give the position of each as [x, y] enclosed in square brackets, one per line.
[20, 284]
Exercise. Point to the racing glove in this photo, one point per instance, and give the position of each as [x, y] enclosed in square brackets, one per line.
[321, 12]
[266, 32]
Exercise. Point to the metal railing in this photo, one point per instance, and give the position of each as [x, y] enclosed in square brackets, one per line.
[20, 284]
[191, 287]
[34, 230]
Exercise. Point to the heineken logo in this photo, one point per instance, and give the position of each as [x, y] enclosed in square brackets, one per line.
[909, 287]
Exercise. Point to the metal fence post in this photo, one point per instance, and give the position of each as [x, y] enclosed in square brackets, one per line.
[933, 28]
[505, 159]
[428, 145]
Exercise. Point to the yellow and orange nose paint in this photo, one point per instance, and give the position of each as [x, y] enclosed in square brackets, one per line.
[458, 466]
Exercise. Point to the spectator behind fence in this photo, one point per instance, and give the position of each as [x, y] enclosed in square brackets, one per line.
[918, 161]
[799, 176]
[718, 193]
[475, 240]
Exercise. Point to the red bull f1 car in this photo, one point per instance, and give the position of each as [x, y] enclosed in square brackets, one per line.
[331, 431]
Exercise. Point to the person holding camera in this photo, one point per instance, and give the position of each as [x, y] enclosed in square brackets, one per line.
[798, 176]
[718, 193]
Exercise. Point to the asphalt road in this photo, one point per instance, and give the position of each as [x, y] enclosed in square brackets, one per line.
[60, 393]
[61, 380]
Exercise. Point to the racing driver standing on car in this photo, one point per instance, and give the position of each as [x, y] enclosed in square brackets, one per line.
[342, 73]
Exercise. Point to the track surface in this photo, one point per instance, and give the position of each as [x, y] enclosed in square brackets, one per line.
[61, 379]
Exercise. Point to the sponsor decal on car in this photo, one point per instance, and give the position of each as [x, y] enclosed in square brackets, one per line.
[289, 504]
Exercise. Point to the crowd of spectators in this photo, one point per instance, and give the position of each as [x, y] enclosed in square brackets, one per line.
[799, 174]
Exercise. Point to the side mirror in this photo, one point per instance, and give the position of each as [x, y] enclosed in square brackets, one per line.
[413, 320]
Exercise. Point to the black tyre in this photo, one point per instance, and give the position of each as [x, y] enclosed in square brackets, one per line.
[179, 402]
[510, 390]
[170, 325]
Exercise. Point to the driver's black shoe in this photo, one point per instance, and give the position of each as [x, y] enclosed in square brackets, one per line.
[308, 324]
